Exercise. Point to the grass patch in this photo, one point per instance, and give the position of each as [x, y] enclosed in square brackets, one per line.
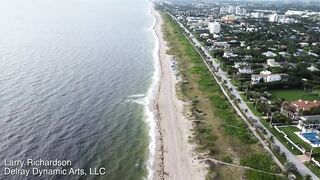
[281, 138]
[254, 111]
[254, 175]
[315, 169]
[227, 159]
[259, 161]
[293, 95]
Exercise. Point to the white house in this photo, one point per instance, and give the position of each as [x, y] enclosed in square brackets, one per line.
[266, 72]
[284, 54]
[269, 54]
[240, 64]
[251, 29]
[272, 63]
[204, 36]
[304, 44]
[245, 70]
[257, 78]
[312, 68]
[309, 123]
[221, 44]
[287, 20]
[229, 55]
[313, 54]
[292, 13]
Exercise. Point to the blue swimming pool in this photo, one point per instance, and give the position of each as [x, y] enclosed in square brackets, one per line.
[312, 137]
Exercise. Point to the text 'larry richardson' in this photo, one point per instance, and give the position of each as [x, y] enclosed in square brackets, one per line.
[41, 167]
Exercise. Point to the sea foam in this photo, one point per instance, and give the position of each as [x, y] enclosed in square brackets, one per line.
[150, 99]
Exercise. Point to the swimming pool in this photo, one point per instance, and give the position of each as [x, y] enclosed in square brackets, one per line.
[312, 137]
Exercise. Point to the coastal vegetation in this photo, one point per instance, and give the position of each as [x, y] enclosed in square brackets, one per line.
[218, 131]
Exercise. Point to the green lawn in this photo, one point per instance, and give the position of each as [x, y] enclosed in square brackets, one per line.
[254, 111]
[281, 138]
[290, 131]
[313, 168]
[293, 95]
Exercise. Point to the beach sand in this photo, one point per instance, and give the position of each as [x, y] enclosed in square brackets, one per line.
[175, 157]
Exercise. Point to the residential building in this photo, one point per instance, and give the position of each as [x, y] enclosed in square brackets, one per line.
[245, 70]
[272, 63]
[312, 68]
[309, 123]
[241, 11]
[287, 20]
[204, 36]
[266, 72]
[228, 18]
[229, 55]
[214, 27]
[277, 18]
[298, 108]
[224, 10]
[284, 54]
[313, 54]
[294, 13]
[240, 64]
[269, 54]
[257, 15]
[231, 9]
[266, 77]
[273, 18]
[221, 44]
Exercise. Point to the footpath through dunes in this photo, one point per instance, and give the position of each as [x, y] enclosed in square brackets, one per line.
[217, 130]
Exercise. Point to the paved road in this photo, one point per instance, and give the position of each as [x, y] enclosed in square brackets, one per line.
[242, 105]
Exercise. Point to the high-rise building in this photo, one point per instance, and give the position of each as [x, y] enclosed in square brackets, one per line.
[241, 11]
[273, 18]
[231, 9]
[257, 15]
[214, 27]
[224, 10]
[276, 18]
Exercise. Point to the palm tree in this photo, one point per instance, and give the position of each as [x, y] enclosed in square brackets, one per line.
[271, 139]
[290, 167]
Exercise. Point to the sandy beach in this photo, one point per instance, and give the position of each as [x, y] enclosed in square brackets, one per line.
[174, 158]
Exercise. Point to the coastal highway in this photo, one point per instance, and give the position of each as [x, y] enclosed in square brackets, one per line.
[303, 170]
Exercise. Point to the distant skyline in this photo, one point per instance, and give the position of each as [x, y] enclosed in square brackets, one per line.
[284, 1]
[313, 3]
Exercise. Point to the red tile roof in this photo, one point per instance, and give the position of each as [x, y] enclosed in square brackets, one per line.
[305, 105]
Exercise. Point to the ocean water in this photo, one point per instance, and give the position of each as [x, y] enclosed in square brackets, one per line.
[75, 79]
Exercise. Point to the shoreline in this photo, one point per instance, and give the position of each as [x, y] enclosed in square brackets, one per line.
[174, 156]
[151, 102]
